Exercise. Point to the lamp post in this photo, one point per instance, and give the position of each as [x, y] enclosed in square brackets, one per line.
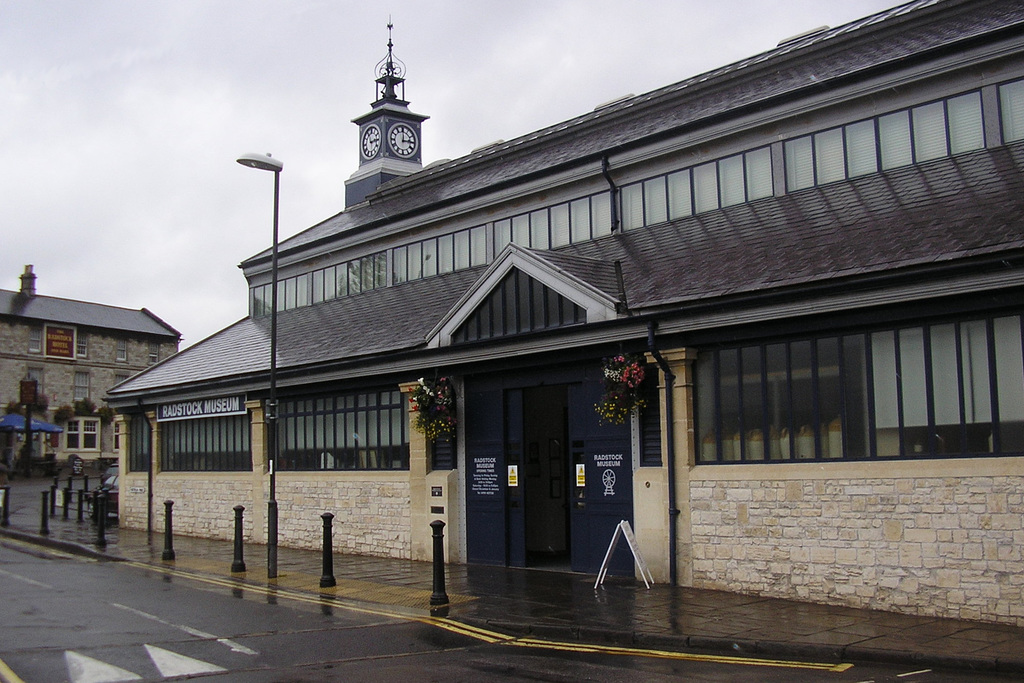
[265, 162]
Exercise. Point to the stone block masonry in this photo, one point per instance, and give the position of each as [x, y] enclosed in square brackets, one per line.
[945, 546]
[371, 510]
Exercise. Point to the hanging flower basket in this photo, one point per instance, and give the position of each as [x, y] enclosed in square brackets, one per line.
[623, 375]
[434, 406]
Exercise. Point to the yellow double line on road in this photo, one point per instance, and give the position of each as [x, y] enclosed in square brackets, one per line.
[493, 637]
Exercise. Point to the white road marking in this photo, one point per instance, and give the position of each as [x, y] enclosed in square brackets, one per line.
[914, 673]
[235, 647]
[172, 664]
[82, 669]
[27, 580]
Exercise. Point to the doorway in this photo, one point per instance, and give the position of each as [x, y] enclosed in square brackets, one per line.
[546, 481]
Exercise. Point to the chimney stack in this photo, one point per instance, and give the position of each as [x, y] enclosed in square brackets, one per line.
[28, 282]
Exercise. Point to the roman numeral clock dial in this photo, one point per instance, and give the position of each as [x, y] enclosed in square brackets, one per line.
[371, 141]
[402, 139]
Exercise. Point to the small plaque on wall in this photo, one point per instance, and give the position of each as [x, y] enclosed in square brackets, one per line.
[436, 491]
[437, 509]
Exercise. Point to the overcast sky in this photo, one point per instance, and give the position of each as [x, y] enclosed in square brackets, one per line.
[120, 121]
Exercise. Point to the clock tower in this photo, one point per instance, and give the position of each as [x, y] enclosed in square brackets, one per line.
[389, 134]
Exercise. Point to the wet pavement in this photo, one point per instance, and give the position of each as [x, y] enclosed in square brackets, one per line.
[555, 605]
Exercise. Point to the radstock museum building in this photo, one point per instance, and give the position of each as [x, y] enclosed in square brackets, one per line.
[769, 315]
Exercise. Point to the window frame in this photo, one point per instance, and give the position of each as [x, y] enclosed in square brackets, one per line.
[82, 387]
[867, 395]
[76, 434]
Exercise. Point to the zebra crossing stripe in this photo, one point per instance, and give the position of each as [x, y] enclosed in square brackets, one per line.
[83, 669]
[172, 664]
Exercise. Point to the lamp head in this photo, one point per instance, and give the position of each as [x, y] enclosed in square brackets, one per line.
[264, 162]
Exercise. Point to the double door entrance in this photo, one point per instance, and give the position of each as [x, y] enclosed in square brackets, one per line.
[546, 482]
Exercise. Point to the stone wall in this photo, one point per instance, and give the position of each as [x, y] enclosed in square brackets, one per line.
[948, 544]
[371, 514]
[371, 509]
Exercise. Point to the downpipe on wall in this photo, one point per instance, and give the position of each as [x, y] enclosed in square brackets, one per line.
[670, 454]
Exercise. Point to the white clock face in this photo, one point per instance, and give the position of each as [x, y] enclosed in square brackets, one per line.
[403, 140]
[371, 141]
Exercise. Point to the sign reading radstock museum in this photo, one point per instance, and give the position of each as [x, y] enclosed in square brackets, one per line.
[206, 407]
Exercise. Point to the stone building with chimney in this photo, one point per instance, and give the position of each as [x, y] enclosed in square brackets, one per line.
[75, 351]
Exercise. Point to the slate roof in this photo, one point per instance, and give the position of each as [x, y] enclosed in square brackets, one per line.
[82, 313]
[379, 321]
[934, 213]
[793, 69]
[944, 212]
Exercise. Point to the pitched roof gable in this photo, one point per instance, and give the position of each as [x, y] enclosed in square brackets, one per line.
[83, 313]
[582, 281]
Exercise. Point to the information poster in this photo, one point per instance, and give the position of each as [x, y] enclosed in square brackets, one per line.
[484, 477]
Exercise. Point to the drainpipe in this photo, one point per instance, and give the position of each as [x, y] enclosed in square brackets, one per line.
[670, 455]
[149, 473]
[615, 193]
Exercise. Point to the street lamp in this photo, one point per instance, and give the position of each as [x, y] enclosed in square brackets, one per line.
[265, 162]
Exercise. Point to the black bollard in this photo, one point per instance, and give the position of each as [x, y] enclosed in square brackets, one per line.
[44, 519]
[101, 520]
[67, 499]
[168, 553]
[53, 499]
[81, 504]
[272, 539]
[5, 518]
[85, 482]
[239, 564]
[439, 596]
[327, 580]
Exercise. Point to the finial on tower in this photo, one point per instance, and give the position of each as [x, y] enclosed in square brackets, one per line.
[390, 73]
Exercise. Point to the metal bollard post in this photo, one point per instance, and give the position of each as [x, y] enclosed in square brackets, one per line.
[44, 520]
[439, 596]
[81, 504]
[239, 564]
[53, 499]
[85, 482]
[5, 518]
[67, 499]
[272, 539]
[101, 520]
[168, 553]
[327, 579]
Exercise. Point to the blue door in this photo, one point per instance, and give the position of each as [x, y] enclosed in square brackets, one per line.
[485, 477]
[602, 491]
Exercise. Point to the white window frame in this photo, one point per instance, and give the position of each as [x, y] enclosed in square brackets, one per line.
[80, 386]
[80, 431]
[35, 340]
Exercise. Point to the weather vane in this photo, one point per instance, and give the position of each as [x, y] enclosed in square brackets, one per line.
[390, 71]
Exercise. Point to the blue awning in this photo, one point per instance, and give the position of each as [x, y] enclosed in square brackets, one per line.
[16, 423]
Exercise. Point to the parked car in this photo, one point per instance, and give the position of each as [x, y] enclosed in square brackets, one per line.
[109, 484]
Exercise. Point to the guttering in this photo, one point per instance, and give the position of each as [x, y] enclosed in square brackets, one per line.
[670, 450]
